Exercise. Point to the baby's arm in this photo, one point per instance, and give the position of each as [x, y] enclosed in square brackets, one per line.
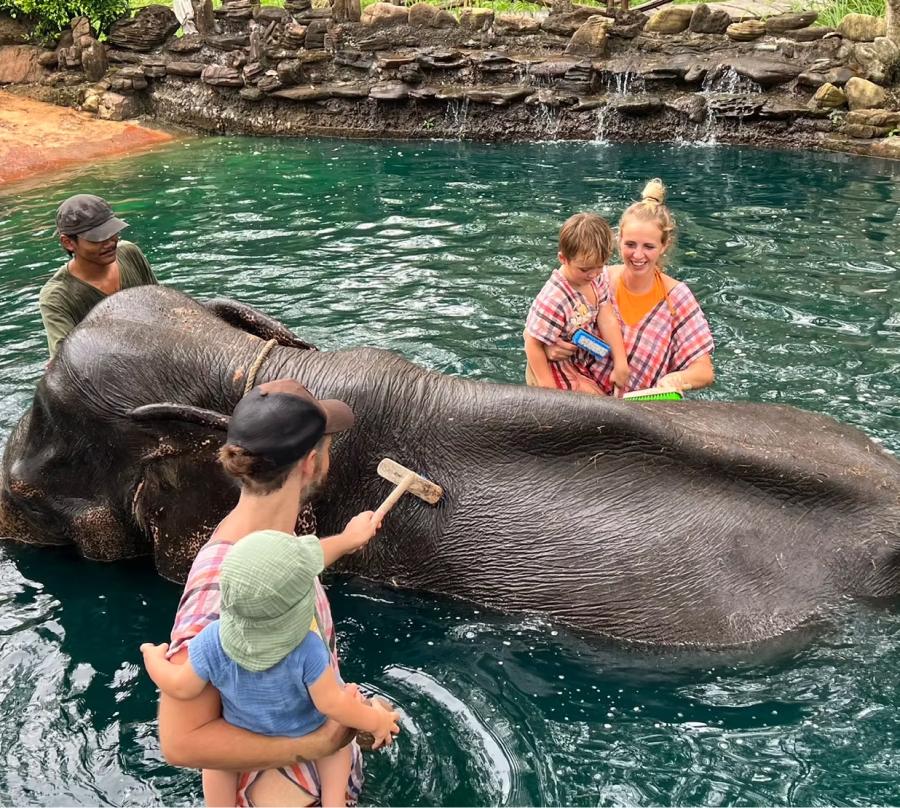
[332, 700]
[178, 681]
[538, 362]
[611, 333]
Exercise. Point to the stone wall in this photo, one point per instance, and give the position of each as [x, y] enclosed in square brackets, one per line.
[574, 72]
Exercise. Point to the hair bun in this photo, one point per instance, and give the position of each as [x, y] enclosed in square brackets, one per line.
[654, 191]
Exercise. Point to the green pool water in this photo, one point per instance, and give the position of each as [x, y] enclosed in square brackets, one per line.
[435, 250]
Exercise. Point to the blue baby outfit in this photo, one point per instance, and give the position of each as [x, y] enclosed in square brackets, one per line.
[270, 702]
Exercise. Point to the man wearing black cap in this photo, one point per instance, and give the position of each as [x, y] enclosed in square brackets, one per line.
[100, 265]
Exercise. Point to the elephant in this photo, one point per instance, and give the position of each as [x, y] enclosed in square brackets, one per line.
[690, 523]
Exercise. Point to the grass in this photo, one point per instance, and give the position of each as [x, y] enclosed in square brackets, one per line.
[835, 10]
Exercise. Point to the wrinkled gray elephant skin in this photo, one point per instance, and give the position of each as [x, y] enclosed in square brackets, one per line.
[686, 523]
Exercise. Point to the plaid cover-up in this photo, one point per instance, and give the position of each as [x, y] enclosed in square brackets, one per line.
[559, 311]
[199, 606]
[665, 340]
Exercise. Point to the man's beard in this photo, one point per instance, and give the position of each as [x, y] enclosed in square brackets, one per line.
[315, 485]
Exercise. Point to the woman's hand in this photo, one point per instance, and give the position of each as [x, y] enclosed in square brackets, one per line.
[560, 350]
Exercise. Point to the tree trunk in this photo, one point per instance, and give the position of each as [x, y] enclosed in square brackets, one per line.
[346, 10]
[893, 21]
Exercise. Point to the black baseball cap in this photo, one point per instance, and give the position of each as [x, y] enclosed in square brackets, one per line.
[282, 421]
[88, 217]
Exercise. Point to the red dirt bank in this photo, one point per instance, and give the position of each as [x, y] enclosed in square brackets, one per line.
[37, 138]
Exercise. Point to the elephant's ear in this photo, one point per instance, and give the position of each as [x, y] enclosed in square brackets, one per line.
[180, 429]
[255, 322]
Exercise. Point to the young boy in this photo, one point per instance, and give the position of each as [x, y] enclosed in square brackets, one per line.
[267, 659]
[576, 297]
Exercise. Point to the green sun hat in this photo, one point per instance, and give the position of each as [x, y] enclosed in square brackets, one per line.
[268, 596]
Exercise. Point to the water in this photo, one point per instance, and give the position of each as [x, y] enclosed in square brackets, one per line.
[436, 250]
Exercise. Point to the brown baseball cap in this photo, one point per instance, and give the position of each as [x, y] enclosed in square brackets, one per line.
[282, 421]
[89, 217]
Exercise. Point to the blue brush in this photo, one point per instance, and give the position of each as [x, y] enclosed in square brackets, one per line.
[593, 345]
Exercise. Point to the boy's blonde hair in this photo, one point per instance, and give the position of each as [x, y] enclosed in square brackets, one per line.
[586, 235]
[652, 208]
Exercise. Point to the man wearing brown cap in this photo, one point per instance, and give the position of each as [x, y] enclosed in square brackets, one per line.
[99, 265]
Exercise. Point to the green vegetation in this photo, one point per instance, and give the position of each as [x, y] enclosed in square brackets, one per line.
[832, 13]
[51, 16]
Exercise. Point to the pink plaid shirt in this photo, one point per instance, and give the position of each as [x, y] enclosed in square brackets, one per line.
[559, 311]
[200, 605]
[662, 342]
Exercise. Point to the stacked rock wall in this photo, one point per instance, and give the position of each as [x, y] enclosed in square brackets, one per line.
[575, 72]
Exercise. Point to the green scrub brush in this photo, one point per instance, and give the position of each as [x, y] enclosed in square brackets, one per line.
[654, 394]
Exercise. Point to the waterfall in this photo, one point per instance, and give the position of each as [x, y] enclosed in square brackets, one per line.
[455, 117]
[602, 115]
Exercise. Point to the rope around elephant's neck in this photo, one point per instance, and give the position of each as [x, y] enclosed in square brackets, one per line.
[257, 364]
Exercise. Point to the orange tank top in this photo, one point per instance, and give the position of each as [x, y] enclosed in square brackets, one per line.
[635, 307]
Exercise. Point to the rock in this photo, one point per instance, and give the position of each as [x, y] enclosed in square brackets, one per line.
[746, 31]
[392, 61]
[20, 64]
[735, 106]
[550, 98]
[228, 42]
[790, 21]
[91, 103]
[128, 80]
[355, 59]
[807, 34]
[476, 19]
[442, 59]
[425, 15]
[696, 74]
[389, 91]
[204, 19]
[862, 131]
[69, 58]
[706, 20]
[837, 76]
[270, 83]
[189, 70]
[12, 32]
[516, 24]
[190, 43]
[785, 110]
[266, 14]
[691, 106]
[629, 24]
[221, 76]
[290, 71]
[81, 27]
[155, 68]
[766, 72]
[411, 74]
[498, 96]
[890, 148]
[93, 61]
[878, 59]
[863, 94]
[862, 27]
[874, 117]
[590, 38]
[150, 27]
[251, 93]
[48, 59]
[116, 107]
[637, 105]
[315, 35]
[384, 14]
[568, 22]
[828, 97]
[670, 20]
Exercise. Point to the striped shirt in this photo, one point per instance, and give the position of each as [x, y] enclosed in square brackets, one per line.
[665, 340]
[558, 312]
[200, 604]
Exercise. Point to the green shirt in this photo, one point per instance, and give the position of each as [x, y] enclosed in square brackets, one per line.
[65, 300]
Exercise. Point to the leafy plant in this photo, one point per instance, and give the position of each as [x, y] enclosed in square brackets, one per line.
[49, 17]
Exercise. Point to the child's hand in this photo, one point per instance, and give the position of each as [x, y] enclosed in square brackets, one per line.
[360, 529]
[154, 652]
[620, 374]
[560, 351]
[387, 725]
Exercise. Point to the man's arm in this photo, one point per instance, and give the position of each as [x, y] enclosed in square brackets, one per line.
[57, 324]
[179, 681]
[193, 734]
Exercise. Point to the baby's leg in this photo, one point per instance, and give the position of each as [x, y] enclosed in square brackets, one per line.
[334, 772]
[219, 788]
